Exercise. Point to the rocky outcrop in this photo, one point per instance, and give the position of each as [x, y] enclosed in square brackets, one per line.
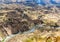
[22, 18]
[19, 19]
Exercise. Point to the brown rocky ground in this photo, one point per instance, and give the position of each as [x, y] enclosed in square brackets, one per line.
[36, 36]
[21, 18]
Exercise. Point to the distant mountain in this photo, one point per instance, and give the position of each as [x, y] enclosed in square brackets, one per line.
[45, 2]
[41, 2]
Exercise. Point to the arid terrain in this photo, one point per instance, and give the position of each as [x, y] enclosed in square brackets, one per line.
[20, 23]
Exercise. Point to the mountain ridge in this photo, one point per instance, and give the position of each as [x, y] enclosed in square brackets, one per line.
[39, 2]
